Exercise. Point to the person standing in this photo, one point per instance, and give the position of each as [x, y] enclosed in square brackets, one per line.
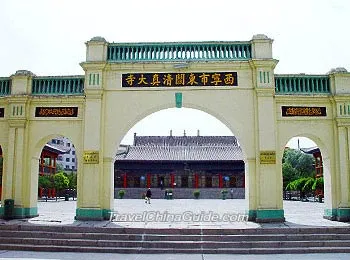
[148, 196]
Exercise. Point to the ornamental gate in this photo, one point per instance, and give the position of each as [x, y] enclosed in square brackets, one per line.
[123, 83]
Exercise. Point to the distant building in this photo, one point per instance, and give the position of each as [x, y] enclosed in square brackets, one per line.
[48, 158]
[180, 162]
[68, 159]
[315, 151]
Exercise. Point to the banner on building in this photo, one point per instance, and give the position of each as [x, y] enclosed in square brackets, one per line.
[56, 111]
[288, 111]
[202, 79]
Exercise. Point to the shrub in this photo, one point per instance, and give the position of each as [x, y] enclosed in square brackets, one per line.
[121, 193]
[196, 193]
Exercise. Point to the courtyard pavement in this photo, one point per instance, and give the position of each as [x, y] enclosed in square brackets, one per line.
[174, 214]
[181, 213]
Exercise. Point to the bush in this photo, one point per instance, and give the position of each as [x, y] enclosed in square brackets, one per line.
[224, 193]
[196, 193]
[121, 193]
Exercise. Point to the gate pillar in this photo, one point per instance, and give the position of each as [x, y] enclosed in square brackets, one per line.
[17, 178]
[95, 198]
[265, 197]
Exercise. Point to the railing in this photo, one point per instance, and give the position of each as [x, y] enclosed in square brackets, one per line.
[302, 84]
[131, 52]
[5, 86]
[61, 85]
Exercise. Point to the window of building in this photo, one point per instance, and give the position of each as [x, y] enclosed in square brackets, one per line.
[73, 167]
[58, 141]
[67, 166]
[67, 159]
[68, 144]
[73, 152]
[73, 159]
[53, 141]
[59, 158]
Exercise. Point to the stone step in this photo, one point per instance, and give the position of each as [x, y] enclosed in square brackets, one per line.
[125, 250]
[174, 244]
[174, 231]
[139, 240]
[161, 237]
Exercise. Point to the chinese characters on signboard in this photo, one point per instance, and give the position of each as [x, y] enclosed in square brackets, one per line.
[2, 112]
[91, 157]
[56, 111]
[303, 111]
[267, 157]
[179, 79]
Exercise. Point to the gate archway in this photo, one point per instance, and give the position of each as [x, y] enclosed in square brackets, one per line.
[123, 83]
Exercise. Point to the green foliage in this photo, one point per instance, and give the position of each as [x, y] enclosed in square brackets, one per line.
[305, 184]
[289, 173]
[318, 183]
[196, 193]
[121, 193]
[45, 181]
[72, 177]
[296, 165]
[61, 181]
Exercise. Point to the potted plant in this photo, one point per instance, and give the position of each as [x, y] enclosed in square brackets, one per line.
[121, 193]
[169, 194]
[196, 193]
[224, 194]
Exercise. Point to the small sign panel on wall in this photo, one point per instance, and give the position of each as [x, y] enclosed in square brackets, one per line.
[91, 157]
[56, 111]
[267, 157]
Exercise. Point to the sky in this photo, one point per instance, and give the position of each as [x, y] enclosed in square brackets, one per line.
[48, 37]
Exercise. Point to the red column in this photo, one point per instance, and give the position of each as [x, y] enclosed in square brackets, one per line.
[50, 165]
[42, 164]
[148, 180]
[54, 164]
[220, 180]
[196, 180]
[172, 179]
[125, 181]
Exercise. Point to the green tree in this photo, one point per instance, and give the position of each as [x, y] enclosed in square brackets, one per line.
[45, 181]
[303, 165]
[61, 182]
[289, 173]
[72, 177]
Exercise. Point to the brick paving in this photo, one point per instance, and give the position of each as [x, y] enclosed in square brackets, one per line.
[180, 213]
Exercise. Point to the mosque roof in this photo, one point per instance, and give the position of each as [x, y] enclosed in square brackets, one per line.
[182, 148]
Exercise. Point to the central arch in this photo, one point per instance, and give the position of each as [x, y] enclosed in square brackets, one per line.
[243, 134]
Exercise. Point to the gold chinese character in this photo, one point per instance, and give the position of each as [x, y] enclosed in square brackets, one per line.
[130, 79]
[204, 78]
[155, 80]
[180, 79]
[229, 79]
[167, 80]
[192, 80]
[216, 79]
[142, 80]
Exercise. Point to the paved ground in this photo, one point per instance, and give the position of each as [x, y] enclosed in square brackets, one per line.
[175, 214]
[181, 214]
